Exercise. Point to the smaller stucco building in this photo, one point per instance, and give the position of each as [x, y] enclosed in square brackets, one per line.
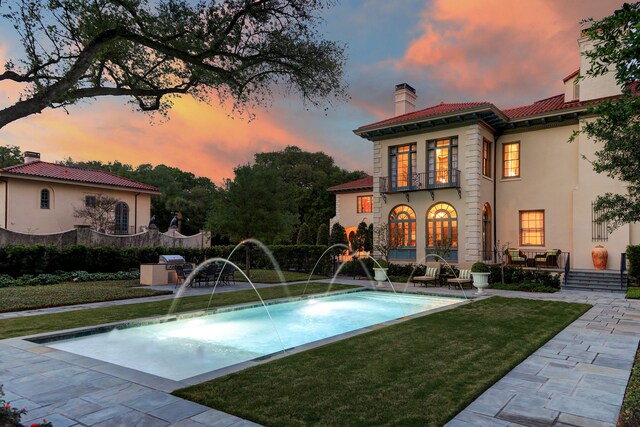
[354, 204]
[39, 197]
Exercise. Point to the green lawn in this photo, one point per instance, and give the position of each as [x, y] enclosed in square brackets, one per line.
[28, 325]
[18, 298]
[630, 413]
[524, 287]
[271, 276]
[419, 372]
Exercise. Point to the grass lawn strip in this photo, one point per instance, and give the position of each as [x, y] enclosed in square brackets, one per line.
[633, 293]
[420, 372]
[19, 298]
[630, 413]
[29, 325]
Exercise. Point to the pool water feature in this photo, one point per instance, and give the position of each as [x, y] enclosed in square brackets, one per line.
[185, 348]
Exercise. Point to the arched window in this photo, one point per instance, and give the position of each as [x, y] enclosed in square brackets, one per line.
[486, 232]
[402, 232]
[122, 219]
[45, 199]
[442, 231]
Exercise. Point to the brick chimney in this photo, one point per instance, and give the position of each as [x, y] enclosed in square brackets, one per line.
[405, 97]
[31, 156]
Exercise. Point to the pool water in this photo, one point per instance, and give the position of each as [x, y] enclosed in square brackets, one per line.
[188, 347]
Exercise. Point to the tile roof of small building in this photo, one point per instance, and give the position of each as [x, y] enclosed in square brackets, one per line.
[66, 173]
[575, 73]
[358, 184]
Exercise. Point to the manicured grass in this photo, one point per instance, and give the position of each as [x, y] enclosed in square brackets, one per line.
[28, 325]
[420, 372]
[18, 298]
[271, 276]
[630, 413]
[524, 287]
[633, 293]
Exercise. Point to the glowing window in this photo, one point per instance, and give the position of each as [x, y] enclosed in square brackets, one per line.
[402, 165]
[402, 227]
[486, 158]
[442, 226]
[511, 160]
[365, 204]
[442, 160]
[532, 228]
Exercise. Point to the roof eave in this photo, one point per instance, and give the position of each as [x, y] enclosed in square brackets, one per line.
[82, 183]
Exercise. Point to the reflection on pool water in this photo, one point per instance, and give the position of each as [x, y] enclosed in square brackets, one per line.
[189, 347]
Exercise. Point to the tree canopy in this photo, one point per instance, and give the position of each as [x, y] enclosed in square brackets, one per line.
[617, 127]
[180, 191]
[150, 51]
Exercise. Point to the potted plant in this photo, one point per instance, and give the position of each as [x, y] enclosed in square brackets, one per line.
[480, 272]
[380, 267]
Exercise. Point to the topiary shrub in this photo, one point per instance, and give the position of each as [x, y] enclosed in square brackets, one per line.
[480, 267]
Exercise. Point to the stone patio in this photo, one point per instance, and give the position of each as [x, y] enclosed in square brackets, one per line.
[576, 379]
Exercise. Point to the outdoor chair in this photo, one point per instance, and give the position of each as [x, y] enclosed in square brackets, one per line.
[515, 257]
[226, 275]
[183, 271]
[207, 274]
[464, 278]
[548, 259]
[432, 275]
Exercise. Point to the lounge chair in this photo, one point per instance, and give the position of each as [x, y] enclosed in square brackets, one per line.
[432, 275]
[515, 257]
[548, 259]
[464, 278]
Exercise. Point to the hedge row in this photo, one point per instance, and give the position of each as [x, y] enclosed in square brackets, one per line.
[517, 275]
[61, 276]
[19, 260]
[633, 261]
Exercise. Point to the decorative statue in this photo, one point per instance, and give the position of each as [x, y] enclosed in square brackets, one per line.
[174, 222]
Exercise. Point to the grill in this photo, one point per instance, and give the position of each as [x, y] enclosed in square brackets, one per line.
[171, 261]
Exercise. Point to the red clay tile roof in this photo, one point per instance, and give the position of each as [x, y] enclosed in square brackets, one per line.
[543, 106]
[358, 184]
[575, 73]
[66, 173]
[435, 110]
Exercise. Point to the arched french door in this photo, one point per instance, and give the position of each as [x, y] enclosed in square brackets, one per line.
[442, 231]
[121, 218]
[402, 233]
[486, 233]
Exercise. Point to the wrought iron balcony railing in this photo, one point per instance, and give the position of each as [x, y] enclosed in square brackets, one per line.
[421, 181]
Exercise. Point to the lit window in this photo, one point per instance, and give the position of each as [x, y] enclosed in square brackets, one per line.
[44, 199]
[532, 228]
[402, 166]
[511, 160]
[402, 227]
[486, 158]
[442, 160]
[365, 204]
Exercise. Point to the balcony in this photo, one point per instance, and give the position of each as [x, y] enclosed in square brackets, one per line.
[432, 180]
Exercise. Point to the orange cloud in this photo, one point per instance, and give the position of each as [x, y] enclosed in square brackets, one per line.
[481, 48]
[198, 138]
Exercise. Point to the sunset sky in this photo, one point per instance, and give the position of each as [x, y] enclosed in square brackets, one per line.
[501, 51]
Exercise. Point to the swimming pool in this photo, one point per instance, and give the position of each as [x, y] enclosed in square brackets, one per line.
[184, 348]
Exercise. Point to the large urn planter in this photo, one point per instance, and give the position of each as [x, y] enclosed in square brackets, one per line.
[480, 273]
[380, 274]
[599, 256]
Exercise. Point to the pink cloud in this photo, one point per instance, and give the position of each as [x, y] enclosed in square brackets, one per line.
[490, 49]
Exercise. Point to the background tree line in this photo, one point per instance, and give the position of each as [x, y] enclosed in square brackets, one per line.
[280, 198]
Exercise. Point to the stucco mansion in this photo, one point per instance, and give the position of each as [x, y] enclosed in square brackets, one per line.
[469, 175]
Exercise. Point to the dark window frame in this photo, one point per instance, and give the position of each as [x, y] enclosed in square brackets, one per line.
[45, 199]
[486, 157]
[394, 153]
[452, 159]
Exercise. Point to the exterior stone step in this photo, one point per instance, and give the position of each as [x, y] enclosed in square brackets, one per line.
[593, 280]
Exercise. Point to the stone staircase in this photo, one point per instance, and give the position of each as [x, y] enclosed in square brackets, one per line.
[595, 280]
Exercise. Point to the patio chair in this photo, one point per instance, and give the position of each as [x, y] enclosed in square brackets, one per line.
[548, 259]
[226, 275]
[207, 274]
[515, 257]
[183, 271]
[432, 275]
[464, 278]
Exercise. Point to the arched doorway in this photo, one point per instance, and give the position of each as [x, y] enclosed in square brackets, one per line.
[486, 232]
[442, 231]
[402, 233]
[121, 219]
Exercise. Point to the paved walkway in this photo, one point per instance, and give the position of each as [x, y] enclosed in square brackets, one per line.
[578, 378]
